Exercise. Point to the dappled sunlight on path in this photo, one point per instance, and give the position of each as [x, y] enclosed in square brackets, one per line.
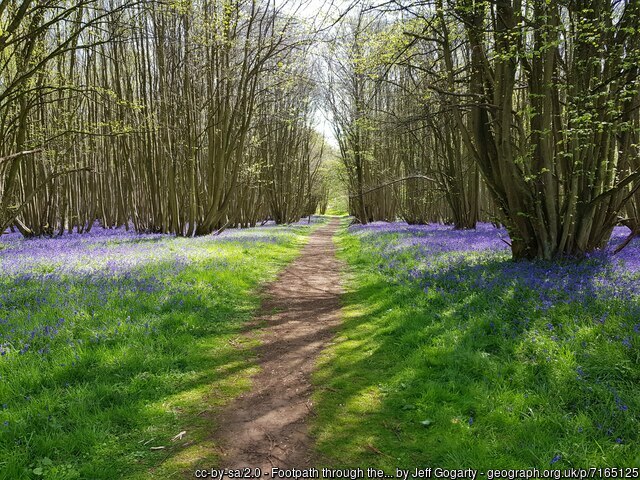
[267, 427]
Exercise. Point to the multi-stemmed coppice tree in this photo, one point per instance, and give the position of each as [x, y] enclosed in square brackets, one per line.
[143, 114]
[288, 150]
[398, 137]
[540, 97]
[39, 44]
[549, 88]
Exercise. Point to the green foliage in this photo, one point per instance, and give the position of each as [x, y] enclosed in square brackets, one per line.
[333, 177]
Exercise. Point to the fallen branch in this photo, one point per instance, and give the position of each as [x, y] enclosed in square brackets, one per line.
[634, 233]
[375, 450]
[220, 230]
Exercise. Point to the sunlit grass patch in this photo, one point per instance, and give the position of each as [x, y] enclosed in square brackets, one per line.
[477, 361]
[113, 345]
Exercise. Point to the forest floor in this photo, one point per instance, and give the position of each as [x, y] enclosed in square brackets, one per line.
[118, 350]
[267, 426]
[138, 356]
[451, 355]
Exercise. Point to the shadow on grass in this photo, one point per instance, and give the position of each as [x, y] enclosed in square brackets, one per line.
[472, 375]
[98, 382]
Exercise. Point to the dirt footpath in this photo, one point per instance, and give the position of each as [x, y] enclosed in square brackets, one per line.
[267, 427]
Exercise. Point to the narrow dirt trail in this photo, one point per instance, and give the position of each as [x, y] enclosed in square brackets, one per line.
[267, 427]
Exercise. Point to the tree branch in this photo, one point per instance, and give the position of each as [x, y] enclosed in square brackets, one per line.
[19, 154]
[411, 177]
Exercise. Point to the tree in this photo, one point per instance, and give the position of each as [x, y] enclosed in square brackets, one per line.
[549, 87]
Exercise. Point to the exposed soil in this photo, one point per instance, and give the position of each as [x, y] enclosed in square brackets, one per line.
[267, 427]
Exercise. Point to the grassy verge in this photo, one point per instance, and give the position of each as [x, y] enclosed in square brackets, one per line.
[111, 347]
[452, 359]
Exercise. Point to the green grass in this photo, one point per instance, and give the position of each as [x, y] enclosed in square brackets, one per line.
[419, 379]
[137, 361]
